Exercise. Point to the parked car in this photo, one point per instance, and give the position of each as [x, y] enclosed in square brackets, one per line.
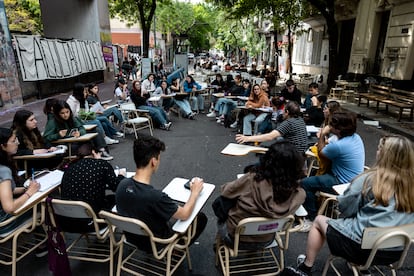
[190, 56]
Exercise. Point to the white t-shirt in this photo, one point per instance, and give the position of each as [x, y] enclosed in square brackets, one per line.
[148, 86]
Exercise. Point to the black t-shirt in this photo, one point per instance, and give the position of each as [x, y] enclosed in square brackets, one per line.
[141, 201]
[296, 95]
[236, 90]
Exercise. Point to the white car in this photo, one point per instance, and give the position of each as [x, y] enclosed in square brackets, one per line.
[190, 55]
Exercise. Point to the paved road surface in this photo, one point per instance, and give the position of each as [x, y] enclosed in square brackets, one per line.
[193, 149]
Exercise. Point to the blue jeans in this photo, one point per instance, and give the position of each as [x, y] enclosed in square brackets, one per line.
[157, 114]
[107, 126]
[313, 184]
[197, 102]
[222, 106]
[114, 111]
[247, 123]
[184, 105]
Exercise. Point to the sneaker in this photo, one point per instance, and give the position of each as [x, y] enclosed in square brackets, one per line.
[41, 251]
[119, 134]
[234, 125]
[191, 116]
[167, 126]
[307, 225]
[105, 156]
[110, 141]
[300, 259]
[288, 271]
[212, 114]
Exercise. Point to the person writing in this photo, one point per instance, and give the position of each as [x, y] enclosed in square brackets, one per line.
[87, 179]
[31, 141]
[291, 92]
[382, 196]
[11, 196]
[155, 208]
[257, 99]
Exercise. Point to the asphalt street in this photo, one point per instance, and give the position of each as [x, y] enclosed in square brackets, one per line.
[193, 149]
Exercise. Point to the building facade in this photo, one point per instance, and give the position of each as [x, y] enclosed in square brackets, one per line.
[375, 39]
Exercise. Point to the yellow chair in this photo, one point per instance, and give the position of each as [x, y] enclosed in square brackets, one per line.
[262, 261]
[91, 246]
[21, 240]
[162, 261]
[377, 238]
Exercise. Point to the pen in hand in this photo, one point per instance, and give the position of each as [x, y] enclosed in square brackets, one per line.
[33, 176]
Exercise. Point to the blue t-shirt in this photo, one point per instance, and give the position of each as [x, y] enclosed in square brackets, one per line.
[347, 156]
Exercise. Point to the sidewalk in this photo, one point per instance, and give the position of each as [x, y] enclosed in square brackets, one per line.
[36, 106]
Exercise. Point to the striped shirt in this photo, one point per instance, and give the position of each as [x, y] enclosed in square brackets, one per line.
[294, 131]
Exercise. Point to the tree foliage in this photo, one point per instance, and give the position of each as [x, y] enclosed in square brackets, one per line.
[284, 15]
[136, 10]
[288, 14]
[24, 16]
[185, 20]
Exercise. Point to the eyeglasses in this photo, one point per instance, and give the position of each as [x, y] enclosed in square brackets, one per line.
[16, 141]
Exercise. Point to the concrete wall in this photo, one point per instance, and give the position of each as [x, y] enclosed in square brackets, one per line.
[71, 19]
[399, 45]
[398, 53]
[79, 19]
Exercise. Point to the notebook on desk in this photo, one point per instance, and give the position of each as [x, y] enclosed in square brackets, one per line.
[47, 179]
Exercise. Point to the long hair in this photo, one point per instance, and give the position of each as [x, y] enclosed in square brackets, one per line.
[48, 107]
[5, 158]
[282, 166]
[134, 90]
[32, 138]
[78, 90]
[57, 107]
[332, 106]
[191, 79]
[90, 86]
[253, 95]
[393, 173]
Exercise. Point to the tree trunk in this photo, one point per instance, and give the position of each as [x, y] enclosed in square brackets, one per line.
[290, 52]
[333, 51]
[145, 40]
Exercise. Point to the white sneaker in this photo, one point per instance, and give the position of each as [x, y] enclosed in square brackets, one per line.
[105, 156]
[119, 134]
[212, 114]
[300, 259]
[307, 225]
[234, 125]
[110, 141]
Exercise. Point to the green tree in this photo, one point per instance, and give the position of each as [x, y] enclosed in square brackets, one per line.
[186, 21]
[24, 16]
[133, 10]
[285, 11]
[284, 14]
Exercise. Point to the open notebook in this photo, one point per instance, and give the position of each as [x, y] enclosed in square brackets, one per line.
[240, 149]
[47, 179]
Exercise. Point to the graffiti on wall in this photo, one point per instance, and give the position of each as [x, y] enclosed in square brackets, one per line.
[10, 92]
